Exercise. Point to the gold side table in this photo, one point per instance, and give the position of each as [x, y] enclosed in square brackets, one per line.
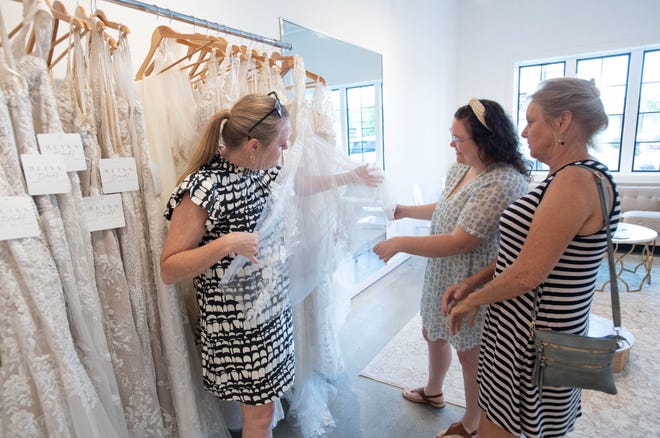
[633, 235]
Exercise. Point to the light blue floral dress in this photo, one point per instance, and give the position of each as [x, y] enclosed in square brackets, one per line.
[476, 208]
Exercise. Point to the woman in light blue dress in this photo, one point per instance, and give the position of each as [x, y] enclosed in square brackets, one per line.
[489, 174]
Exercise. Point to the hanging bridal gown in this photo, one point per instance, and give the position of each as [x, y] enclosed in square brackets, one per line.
[321, 266]
[210, 98]
[316, 239]
[83, 304]
[169, 109]
[198, 414]
[46, 390]
[21, 412]
[109, 112]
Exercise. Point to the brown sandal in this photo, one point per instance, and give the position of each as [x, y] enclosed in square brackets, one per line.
[457, 429]
[426, 399]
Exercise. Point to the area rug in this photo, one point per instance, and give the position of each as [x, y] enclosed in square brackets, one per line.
[634, 411]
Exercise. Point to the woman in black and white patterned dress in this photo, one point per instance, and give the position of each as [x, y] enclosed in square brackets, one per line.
[554, 238]
[214, 212]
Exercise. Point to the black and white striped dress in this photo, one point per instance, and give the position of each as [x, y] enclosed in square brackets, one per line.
[243, 359]
[507, 352]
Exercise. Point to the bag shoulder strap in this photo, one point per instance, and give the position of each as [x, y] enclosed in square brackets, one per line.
[614, 287]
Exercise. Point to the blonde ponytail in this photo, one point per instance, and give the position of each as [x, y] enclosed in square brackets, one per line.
[208, 145]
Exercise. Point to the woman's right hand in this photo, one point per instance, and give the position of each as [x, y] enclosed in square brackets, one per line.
[244, 243]
[454, 294]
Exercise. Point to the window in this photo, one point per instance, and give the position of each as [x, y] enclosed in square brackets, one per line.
[358, 122]
[529, 77]
[629, 83]
[647, 137]
[611, 76]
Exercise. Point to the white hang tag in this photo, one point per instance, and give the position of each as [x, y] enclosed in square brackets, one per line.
[45, 174]
[18, 218]
[104, 212]
[68, 146]
[118, 175]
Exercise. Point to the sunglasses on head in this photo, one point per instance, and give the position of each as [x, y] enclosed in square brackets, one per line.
[277, 109]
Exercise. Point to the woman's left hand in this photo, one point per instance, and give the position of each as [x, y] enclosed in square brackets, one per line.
[364, 175]
[458, 311]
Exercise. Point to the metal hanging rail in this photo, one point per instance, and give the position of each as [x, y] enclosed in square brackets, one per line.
[168, 13]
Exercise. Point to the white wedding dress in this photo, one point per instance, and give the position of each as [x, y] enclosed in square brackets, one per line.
[45, 388]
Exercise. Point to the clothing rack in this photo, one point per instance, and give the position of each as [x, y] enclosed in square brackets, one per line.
[163, 12]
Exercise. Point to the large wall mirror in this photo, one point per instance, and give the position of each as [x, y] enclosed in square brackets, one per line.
[355, 76]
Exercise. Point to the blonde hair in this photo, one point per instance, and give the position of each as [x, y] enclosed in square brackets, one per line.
[235, 126]
[579, 96]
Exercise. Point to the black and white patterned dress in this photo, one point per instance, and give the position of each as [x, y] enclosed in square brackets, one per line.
[507, 351]
[248, 360]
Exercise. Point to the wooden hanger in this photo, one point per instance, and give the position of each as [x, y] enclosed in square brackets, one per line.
[111, 24]
[315, 78]
[194, 40]
[203, 50]
[285, 62]
[200, 76]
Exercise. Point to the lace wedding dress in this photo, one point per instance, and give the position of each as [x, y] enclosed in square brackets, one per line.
[45, 388]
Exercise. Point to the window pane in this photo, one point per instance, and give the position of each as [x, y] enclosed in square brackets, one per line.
[368, 96]
[612, 133]
[606, 71]
[615, 70]
[554, 70]
[608, 154]
[614, 98]
[651, 67]
[647, 157]
[649, 100]
[589, 68]
[529, 79]
[648, 127]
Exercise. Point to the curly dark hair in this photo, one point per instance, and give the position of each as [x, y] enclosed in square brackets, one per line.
[497, 143]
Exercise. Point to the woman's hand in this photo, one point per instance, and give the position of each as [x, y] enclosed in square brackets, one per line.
[398, 212]
[455, 306]
[366, 176]
[386, 249]
[244, 243]
[454, 294]
[459, 310]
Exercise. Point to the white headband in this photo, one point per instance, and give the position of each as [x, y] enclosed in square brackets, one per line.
[479, 110]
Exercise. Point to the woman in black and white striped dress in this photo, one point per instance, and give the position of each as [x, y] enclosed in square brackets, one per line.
[553, 237]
